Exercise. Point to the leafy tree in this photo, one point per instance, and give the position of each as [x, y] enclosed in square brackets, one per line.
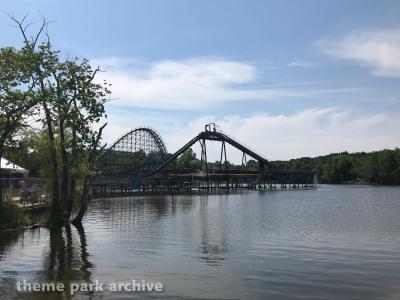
[71, 107]
[387, 167]
[30, 151]
[338, 169]
[188, 160]
[252, 165]
[382, 167]
[17, 96]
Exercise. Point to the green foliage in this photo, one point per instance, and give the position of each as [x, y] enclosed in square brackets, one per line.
[67, 101]
[32, 152]
[378, 167]
[338, 169]
[11, 216]
[17, 95]
[252, 165]
[188, 160]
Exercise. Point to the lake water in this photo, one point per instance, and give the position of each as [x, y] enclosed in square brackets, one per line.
[334, 242]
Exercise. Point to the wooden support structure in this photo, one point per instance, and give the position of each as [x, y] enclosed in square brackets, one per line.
[218, 181]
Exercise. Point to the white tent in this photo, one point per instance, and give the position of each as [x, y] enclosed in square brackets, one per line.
[10, 167]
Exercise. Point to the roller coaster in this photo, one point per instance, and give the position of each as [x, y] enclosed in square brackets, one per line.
[136, 152]
[139, 161]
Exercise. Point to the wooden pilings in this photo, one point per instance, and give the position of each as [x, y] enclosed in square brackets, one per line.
[214, 182]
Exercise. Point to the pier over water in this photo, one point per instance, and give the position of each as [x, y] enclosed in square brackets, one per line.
[139, 162]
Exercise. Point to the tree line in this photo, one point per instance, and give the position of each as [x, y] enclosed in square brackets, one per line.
[378, 167]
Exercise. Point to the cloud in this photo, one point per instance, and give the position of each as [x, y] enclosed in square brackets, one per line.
[186, 84]
[191, 84]
[377, 49]
[301, 64]
[311, 132]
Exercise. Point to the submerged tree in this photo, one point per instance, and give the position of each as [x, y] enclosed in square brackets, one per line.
[71, 106]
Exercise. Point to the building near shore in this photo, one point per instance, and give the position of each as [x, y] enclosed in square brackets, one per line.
[11, 169]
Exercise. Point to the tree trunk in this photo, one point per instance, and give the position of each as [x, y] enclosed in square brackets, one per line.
[68, 211]
[2, 142]
[56, 217]
[64, 172]
[72, 185]
[87, 184]
[84, 202]
[1, 192]
[1, 179]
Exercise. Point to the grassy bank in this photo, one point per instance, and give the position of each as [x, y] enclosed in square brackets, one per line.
[11, 216]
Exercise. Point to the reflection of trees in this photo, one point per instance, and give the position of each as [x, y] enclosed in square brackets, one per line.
[133, 210]
[7, 240]
[212, 245]
[56, 268]
[213, 251]
[129, 212]
[86, 264]
[67, 262]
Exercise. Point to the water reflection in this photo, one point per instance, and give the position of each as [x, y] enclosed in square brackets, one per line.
[7, 241]
[132, 209]
[213, 245]
[129, 215]
[213, 251]
[84, 254]
[332, 243]
[66, 261]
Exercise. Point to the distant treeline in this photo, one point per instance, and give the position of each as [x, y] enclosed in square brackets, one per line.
[378, 167]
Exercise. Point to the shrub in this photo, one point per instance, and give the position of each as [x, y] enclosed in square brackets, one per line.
[11, 216]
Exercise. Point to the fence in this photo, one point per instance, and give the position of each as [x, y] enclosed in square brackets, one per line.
[30, 193]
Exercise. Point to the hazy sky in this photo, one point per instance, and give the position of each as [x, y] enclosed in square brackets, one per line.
[289, 78]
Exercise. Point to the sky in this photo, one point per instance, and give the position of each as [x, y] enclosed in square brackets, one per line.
[288, 78]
